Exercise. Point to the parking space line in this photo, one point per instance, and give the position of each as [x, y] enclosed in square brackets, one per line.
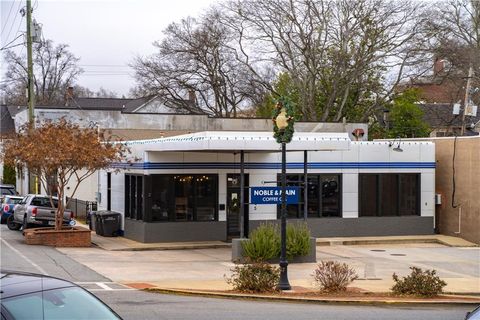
[24, 257]
[103, 286]
[97, 290]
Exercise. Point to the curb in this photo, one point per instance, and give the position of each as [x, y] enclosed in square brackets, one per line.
[388, 241]
[305, 299]
[319, 243]
[163, 248]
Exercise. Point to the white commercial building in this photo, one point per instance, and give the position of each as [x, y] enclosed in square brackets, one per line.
[187, 188]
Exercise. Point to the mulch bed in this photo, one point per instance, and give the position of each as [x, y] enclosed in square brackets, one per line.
[352, 293]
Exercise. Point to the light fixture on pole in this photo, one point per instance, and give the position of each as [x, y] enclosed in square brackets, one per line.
[283, 129]
[397, 148]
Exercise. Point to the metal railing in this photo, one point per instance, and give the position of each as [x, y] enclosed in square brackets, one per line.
[81, 208]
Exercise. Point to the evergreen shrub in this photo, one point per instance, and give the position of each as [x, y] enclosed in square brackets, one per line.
[419, 283]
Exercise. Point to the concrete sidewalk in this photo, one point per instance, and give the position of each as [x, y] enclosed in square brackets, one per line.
[202, 266]
[124, 244]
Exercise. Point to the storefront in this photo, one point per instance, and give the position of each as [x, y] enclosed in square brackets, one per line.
[188, 188]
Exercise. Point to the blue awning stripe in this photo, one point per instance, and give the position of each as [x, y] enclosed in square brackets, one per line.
[275, 165]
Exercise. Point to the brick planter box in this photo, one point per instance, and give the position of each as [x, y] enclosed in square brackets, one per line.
[67, 237]
[239, 257]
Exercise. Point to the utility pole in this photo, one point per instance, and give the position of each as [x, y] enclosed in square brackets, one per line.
[31, 94]
[467, 97]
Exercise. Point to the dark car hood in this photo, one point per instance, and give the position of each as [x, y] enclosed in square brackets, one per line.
[14, 283]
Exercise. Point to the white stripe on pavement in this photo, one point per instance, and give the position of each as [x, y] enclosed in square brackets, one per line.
[24, 257]
[103, 286]
[97, 290]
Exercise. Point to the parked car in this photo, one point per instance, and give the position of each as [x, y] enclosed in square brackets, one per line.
[34, 296]
[473, 315]
[8, 203]
[7, 189]
[36, 210]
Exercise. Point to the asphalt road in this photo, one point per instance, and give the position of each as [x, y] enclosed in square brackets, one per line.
[133, 304]
[144, 305]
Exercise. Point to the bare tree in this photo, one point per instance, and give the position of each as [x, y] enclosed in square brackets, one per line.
[55, 69]
[456, 39]
[84, 92]
[337, 52]
[196, 59]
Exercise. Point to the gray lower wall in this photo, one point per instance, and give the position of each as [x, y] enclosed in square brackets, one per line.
[364, 226]
[320, 228]
[175, 231]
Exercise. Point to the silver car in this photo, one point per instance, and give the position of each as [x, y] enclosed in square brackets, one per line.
[36, 210]
[35, 296]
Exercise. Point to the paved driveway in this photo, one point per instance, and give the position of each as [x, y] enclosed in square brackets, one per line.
[205, 268]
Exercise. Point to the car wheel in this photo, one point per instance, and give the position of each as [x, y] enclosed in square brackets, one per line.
[12, 225]
[25, 224]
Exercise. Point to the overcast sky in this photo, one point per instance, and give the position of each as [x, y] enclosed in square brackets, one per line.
[104, 34]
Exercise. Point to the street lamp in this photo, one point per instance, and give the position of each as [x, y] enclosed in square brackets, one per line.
[282, 122]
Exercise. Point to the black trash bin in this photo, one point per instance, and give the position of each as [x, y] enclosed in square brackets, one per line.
[107, 223]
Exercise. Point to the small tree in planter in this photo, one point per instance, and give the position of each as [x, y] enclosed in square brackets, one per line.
[58, 153]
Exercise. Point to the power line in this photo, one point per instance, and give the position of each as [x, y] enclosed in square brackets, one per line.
[105, 65]
[105, 74]
[16, 15]
[8, 17]
[5, 47]
[20, 44]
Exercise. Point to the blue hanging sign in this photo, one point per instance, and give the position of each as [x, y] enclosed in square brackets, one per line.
[273, 195]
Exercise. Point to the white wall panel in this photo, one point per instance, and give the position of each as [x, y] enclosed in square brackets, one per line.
[350, 202]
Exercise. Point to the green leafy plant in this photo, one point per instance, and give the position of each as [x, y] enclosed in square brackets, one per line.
[333, 276]
[254, 277]
[419, 283]
[406, 117]
[264, 243]
[298, 240]
[9, 174]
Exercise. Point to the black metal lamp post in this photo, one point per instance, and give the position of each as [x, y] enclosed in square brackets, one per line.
[282, 122]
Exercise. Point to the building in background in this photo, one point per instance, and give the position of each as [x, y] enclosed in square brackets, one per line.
[439, 93]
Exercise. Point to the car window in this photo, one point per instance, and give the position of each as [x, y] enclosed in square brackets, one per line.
[43, 202]
[27, 306]
[7, 190]
[13, 200]
[65, 303]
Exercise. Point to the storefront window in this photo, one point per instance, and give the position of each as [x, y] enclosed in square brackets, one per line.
[330, 201]
[389, 194]
[368, 194]
[134, 196]
[205, 191]
[184, 197]
[323, 199]
[160, 209]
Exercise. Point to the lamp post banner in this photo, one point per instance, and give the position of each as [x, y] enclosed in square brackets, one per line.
[273, 195]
